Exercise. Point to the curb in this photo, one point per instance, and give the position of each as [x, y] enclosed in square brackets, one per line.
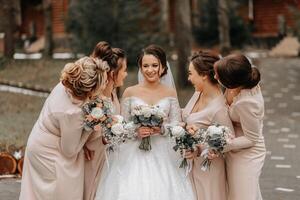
[21, 85]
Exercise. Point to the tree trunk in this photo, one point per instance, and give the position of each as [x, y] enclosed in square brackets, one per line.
[195, 13]
[48, 29]
[8, 26]
[164, 15]
[183, 39]
[224, 27]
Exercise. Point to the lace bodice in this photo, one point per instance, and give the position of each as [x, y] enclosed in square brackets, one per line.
[169, 105]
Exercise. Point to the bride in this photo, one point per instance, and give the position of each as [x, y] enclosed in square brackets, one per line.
[134, 174]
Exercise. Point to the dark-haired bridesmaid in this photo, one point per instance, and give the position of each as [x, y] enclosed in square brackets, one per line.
[247, 151]
[207, 106]
[94, 148]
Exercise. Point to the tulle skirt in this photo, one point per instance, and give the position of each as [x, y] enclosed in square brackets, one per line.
[134, 174]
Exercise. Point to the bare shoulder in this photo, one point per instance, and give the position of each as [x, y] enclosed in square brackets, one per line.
[130, 91]
[170, 92]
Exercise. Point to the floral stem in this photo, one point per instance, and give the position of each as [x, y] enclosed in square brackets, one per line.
[145, 144]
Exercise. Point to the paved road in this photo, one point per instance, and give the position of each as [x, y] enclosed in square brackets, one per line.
[281, 174]
[280, 179]
[9, 189]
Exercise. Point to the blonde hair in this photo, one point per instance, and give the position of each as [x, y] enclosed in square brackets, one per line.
[84, 77]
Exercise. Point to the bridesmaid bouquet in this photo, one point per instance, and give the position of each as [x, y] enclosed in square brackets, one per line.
[116, 131]
[97, 113]
[216, 137]
[186, 140]
[149, 116]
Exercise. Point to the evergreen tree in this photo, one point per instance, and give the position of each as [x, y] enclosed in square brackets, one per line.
[207, 33]
[130, 25]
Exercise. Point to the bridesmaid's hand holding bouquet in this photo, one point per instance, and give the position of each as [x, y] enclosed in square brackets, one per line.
[216, 137]
[186, 141]
[98, 116]
[96, 113]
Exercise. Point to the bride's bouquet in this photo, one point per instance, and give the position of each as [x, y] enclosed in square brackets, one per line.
[216, 137]
[186, 140]
[149, 116]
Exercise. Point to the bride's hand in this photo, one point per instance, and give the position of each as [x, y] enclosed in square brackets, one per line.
[88, 154]
[155, 130]
[144, 132]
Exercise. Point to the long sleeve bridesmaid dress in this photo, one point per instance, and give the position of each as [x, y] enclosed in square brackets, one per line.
[54, 160]
[246, 155]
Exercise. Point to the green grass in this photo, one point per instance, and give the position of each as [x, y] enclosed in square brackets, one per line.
[44, 73]
[18, 115]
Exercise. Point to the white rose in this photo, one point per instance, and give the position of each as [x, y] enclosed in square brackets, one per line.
[227, 133]
[146, 111]
[97, 113]
[117, 129]
[119, 118]
[226, 129]
[177, 131]
[129, 125]
[153, 110]
[212, 130]
[157, 111]
[129, 128]
[133, 112]
[160, 113]
[136, 111]
[108, 105]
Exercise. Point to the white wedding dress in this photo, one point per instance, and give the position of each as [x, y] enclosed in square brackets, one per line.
[134, 174]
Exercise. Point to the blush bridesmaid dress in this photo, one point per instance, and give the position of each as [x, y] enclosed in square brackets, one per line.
[245, 159]
[211, 184]
[93, 168]
[54, 159]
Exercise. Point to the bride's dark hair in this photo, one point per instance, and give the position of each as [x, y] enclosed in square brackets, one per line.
[157, 52]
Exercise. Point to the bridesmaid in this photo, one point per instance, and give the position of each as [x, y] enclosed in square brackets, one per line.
[54, 160]
[206, 106]
[94, 148]
[246, 109]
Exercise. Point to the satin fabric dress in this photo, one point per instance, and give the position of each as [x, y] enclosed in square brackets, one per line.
[54, 160]
[211, 184]
[247, 151]
[93, 168]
